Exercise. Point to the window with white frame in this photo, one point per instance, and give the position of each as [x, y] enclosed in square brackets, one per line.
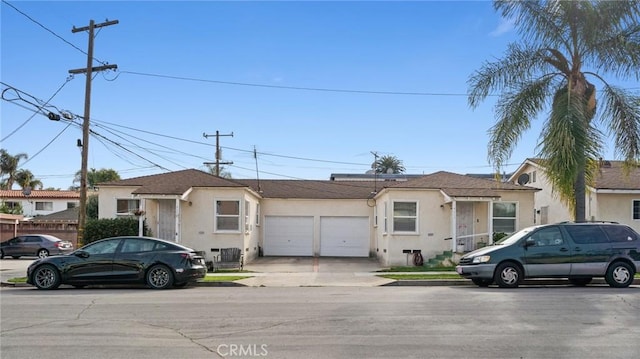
[375, 216]
[247, 218]
[44, 206]
[636, 209]
[12, 205]
[227, 215]
[126, 207]
[385, 216]
[405, 216]
[504, 217]
[257, 214]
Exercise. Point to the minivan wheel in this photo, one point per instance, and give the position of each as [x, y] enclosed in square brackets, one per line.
[159, 277]
[580, 281]
[508, 275]
[482, 282]
[619, 275]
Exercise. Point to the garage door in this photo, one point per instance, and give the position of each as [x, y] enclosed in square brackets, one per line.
[344, 236]
[288, 236]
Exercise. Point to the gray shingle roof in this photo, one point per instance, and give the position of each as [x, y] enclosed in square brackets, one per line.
[179, 182]
[612, 175]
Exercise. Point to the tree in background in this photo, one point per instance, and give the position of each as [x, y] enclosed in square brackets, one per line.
[9, 167]
[96, 176]
[92, 207]
[388, 164]
[565, 46]
[223, 171]
[25, 179]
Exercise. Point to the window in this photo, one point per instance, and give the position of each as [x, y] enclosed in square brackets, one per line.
[71, 205]
[125, 207]
[533, 176]
[132, 245]
[385, 217]
[44, 206]
[405, 217]
[636, 209]
[247, 219]
[227, 215]
[33, 239]
[12, 205]
[548, 237]
[105, 247]
[619, 233]
[587, 234]
[257, 214]
[375, 216]
[504, 217]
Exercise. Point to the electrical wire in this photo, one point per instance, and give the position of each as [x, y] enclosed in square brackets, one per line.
[51, 31]
[69, 78]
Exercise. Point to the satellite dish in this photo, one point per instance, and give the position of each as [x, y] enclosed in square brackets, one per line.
[523, 179]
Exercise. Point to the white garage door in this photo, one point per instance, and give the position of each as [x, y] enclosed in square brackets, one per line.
[288, 236]
[344, 236]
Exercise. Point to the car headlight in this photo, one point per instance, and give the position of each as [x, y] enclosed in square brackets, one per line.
[481, 259]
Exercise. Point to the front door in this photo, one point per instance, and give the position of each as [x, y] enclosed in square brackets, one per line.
[464, 222]
[167, 219]
[550, 254]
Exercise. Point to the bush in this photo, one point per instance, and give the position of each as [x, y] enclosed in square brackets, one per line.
[96, 229]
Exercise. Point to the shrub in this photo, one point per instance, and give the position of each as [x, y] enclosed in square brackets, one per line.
[96, 229]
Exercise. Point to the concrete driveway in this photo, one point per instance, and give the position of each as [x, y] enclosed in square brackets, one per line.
[313, 272]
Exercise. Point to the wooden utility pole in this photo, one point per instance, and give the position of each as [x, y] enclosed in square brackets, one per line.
[82, 212]
[218, 154]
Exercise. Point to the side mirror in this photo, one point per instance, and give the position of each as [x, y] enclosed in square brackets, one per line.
[529, 242]
[81, 254]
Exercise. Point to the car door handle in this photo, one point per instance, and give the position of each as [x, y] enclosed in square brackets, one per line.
[577, 249]
[563, 249]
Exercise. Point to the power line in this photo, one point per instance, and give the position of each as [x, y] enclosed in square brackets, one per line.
[49, 30]
[295, 87]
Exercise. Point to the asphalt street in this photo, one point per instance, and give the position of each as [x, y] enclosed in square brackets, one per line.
[321, 322]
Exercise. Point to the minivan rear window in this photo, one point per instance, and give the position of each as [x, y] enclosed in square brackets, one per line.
[620, 233]
[587, 234]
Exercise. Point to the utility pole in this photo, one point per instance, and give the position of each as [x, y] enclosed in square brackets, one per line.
[82, 212]
[218, 154]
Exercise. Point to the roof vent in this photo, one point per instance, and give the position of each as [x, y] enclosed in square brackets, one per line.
[523, 179]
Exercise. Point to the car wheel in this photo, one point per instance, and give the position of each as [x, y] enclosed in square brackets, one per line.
[482, 282]
[619, 275]
[43, 253]
[46, 277]
[580, 282]
[159, 277]
[508, 275]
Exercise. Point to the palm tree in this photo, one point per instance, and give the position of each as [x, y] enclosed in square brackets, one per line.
[9, 166]
[388, 164]
[567, 47]
[97, 176]
[24, 178]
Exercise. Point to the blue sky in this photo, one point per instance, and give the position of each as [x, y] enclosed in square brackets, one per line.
[188, 68]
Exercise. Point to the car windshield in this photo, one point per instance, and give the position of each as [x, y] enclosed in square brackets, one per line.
[514, 237]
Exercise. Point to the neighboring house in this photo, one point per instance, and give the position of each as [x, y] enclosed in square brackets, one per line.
[614, 197]
[40, 202]
[384, 219]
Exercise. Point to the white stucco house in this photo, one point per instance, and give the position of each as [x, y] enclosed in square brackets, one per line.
[615, 196]
[388, 220]
[40, 202]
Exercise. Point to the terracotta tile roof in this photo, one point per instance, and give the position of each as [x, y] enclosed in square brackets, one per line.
[312, 189]
[612, 175]
[46, 194]
[174, 183]
[457, 185]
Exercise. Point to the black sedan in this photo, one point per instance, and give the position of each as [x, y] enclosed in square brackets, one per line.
[155, 262]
